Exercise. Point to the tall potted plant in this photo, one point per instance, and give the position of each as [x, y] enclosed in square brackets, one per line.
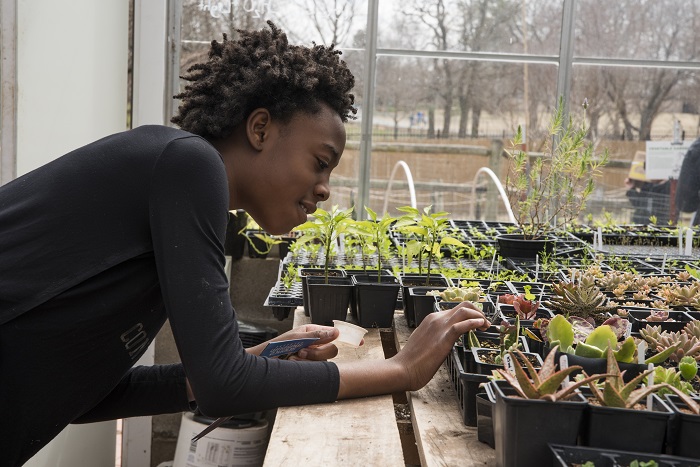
[549, 191]
[375, 292]
[327, 297]
[426, 233]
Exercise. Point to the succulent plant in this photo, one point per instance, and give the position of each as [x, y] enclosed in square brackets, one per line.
[615, 279]
[672, 377]
[688, 368]
[683, 276]
[525, 304]
[660, 305]
[459, 294]
[657, 316]
[692, 329]
[617, 393]
[587, 302]
[684, 295]
[685, 343]
[544, 384]
[642, 293]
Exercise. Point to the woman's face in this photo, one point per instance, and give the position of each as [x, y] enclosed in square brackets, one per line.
[291, 170]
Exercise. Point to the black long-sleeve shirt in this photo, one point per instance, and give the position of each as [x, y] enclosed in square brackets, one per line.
[97, 249]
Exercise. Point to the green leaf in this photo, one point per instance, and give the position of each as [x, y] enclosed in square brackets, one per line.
[584, 350]
[611, 397]
[601, 337]
[560, 330]
[663, 355]
[527, 386]
[625, 353]
[451, 241]
[372, 214]
[472, 340]
[688, 368]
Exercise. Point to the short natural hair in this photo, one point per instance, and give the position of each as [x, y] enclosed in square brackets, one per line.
[261, 69]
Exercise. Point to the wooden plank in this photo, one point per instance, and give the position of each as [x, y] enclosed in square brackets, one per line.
[441, 436]
[351, 432]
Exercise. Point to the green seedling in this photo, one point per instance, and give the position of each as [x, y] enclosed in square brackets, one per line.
[430, 231]
[325, 227]
[376, 230]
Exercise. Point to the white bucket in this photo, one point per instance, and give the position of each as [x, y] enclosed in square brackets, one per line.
[222, 447]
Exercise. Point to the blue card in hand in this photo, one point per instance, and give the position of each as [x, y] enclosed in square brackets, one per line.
[283, 349]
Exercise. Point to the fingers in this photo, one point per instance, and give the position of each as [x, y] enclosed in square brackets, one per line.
[324, 334]
[466, 317]
[318, 353]
[465, 310]
[467, 325]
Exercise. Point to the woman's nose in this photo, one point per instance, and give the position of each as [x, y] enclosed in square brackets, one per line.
[323, 191]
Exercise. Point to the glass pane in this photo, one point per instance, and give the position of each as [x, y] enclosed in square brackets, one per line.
[441, 117]
[645, 30]
[627, 107]
[205, 20]
[510, 26]
[325, 22]
[344, 179]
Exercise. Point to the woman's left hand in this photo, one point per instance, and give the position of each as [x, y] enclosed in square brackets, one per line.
[323, 349]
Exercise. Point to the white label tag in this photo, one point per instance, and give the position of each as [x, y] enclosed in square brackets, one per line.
[508, 364]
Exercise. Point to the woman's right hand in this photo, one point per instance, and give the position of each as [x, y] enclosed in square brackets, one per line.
[432, 341]
[417, 362]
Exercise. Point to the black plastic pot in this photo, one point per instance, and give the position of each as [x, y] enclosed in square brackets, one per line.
[467, 385]
[566, 456]
[234, 244]
[627, 429]
[516, 246]
[536, 344]
[485, 401]
[685, 429]
[375, 300]
[485, 368]
[485, 336]
[423, 304]
[417, 280]
[470, 384]
[304, 273]
[523, 428]
[328, 301]
[638, 318]
[600, 365]
[287, 241]
[257, 247]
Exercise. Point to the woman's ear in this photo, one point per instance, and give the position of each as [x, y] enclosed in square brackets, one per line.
[258, 127]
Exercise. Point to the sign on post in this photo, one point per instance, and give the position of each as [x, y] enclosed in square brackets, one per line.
[664, 159]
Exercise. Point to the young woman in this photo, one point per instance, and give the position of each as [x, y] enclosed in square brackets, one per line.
[99, 247]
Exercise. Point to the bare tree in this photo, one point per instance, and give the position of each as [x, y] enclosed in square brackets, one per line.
[650, 30]
[434, 16]
[482, 23]
[331, 19]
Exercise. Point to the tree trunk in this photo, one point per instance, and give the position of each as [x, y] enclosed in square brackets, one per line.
[431, 123]
[476, 117]
[447, 109]
[463, 116]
